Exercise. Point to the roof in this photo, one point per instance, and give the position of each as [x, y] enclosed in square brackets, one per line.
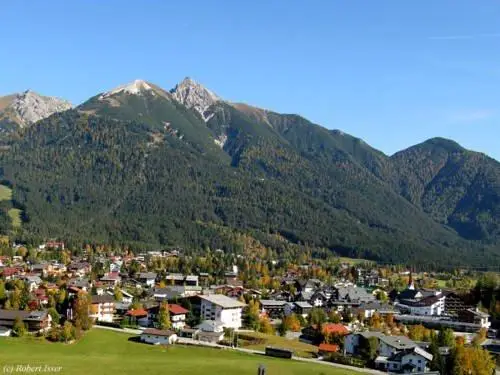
[104, 298]
[303, 304]
[398, 342]
[332, 348]
[222, 301]
[147, 275]
[177, 309]
[272, 302]
[137, 312]
[334, 328]
[111, 276]
[158, 332]
[397, 357]
[426, 301]
[24, 315]
[353, 293]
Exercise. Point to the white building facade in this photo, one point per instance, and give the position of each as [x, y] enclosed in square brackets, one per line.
[221, 308]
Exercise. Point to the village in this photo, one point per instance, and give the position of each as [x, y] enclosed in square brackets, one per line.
[352, 316]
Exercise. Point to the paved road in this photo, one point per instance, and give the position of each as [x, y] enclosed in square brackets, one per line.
[122, 330]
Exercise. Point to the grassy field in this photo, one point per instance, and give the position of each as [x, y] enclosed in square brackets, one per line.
[15, 216]
[108, 352]
[354, 261]
[14, 213]
[262, 340]
[5, 193]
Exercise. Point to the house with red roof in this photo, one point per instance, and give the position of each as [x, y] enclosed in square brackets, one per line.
[334, 329]
[138, 316]
[10, 273]
[177, 316]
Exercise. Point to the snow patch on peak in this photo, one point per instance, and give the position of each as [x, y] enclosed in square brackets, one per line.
[136, 87]
[194, 95]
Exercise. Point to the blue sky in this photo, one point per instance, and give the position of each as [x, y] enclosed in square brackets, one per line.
[393, 73]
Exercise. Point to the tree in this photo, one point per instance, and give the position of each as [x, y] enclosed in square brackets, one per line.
[480, 337]
[334, 317]
[118, 294]
[15, 299]
[81, 311]
[317, 317]
[2, 291]
[67, 332]
[61, 297]
[437, 361]
[471, 361]
[368, 348]
[375, 321]
[252, 315]
[446, 337]
[381, 296]
[163, 318]
[389, 320]
[290, 323]
[416, 332]
[265, 326]
[19, 328]
[54, 315]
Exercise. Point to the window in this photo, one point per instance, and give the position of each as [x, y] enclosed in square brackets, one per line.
[419, 361]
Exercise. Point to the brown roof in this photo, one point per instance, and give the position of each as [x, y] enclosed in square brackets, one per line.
[104, 298]
[24, 315]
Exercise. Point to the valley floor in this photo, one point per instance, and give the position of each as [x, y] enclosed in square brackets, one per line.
[108, 352]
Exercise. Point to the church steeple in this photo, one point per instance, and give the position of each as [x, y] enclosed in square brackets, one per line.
[411, 285]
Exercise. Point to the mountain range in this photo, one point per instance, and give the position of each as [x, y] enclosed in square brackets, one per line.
[151, 167]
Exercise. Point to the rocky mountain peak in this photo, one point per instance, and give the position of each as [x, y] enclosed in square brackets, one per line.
[136, 87]
[194, 95]
[29, 107]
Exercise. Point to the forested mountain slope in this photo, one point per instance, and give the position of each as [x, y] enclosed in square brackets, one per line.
[145, 166]
[455, 186]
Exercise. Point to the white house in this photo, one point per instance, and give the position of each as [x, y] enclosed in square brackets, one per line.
[221, 308]
[158, 337]
[33, 282]
[405, 361]
[388, 345]
[102, 308]
[210, 331]
[147, 278]
[420, 301]
[432, 305]
[177, 316]
[126, 297]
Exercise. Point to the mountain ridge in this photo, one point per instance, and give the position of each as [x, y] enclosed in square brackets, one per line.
[213, 162]
[24, 109]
